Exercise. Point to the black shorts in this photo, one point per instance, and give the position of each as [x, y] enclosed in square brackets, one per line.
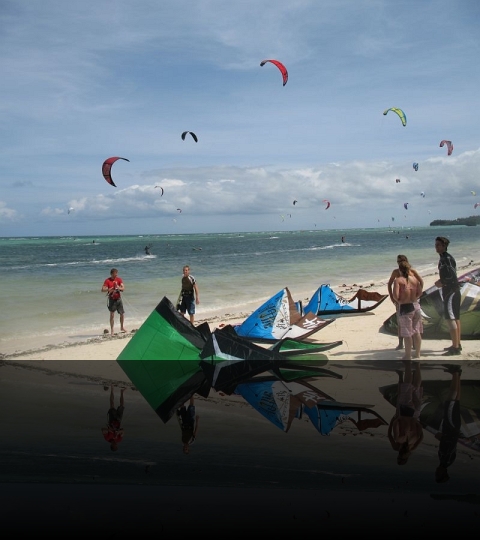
[116, 305]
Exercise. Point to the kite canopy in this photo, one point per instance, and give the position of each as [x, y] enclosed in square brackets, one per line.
[280, 66]
[405, 205]
[327, 203]
[476, 205]
[400, 113]
[161, 189]
[107, 167]
[415, 166]
[194, 137]
[327, 302]
[397, 180]
[449, 146]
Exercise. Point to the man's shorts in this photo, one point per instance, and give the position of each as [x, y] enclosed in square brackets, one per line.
[116, 305]
[188, 304]
[451, 305]
[115, 415]
[410, 323]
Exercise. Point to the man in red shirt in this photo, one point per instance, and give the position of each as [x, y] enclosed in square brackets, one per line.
[113, 433]
[114, 286]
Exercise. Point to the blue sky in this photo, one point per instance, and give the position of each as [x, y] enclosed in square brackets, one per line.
[84, 81]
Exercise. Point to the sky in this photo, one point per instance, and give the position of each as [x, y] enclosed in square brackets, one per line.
[86, 80]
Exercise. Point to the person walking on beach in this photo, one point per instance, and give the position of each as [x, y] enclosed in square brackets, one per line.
[396, 273]
[189, 294]
[188, 421]
[451, 424]
[406, 292]
[113, 433]
[448, 281]
[114, 286]
[405, 432]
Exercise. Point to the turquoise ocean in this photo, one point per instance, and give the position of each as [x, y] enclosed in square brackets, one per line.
[51, 295]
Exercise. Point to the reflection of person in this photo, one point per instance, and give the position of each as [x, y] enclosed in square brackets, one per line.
[396, 273]
[405, 432]
[114, 286]
[448, 437]
[188, 421]
[406, 292]
[189, 294]
[448, 281]
[113, 433]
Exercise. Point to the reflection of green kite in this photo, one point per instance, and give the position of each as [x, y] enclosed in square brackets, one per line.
[434, 395]
[400, 113]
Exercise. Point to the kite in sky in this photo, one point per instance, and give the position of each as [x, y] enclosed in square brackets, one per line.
[397, 180]
[107, 167]
[161, 189]
[449, 146]
[280, 66]
[423, 194]
[328, 204]
[476, 205]
[415, 166]
[194, 137]
[405, 205]
[400, 113]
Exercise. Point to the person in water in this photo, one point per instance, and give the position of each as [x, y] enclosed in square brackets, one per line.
[147, 250]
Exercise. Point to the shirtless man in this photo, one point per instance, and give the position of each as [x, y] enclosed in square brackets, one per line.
[396, 273]
[407, 289]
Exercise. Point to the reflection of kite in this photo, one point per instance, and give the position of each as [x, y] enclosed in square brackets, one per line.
[397, 180]
[405, 205]
[476, 205]
[449, 146]
[400, 113]
[107, 167]
[415, 166]
[161, 189]
[280, 66]
[194, 137]
[328, 204]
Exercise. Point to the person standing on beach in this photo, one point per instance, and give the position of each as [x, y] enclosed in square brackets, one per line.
[113, 433]
[188, 421]
[189, 294]
[448, 281]
[396, 273]
[405, 432]
[450, 433]
[114, 286]
[406, 292]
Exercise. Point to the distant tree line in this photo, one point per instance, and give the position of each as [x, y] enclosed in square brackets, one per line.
[470, 221]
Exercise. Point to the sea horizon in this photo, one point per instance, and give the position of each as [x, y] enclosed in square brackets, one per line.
[51, 293]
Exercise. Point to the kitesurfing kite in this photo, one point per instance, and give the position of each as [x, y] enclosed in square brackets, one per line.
[473, 193]
[70, 209]
[295, 202]
[179, 210]
[280, 66]
[107, 167]
[476, 205]
[415, 166]
[400, 113]
[194, 137]
[449, 147]
[397, 180]
[423, 194]
[161, 189]
[405, 205]
[328, 204]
